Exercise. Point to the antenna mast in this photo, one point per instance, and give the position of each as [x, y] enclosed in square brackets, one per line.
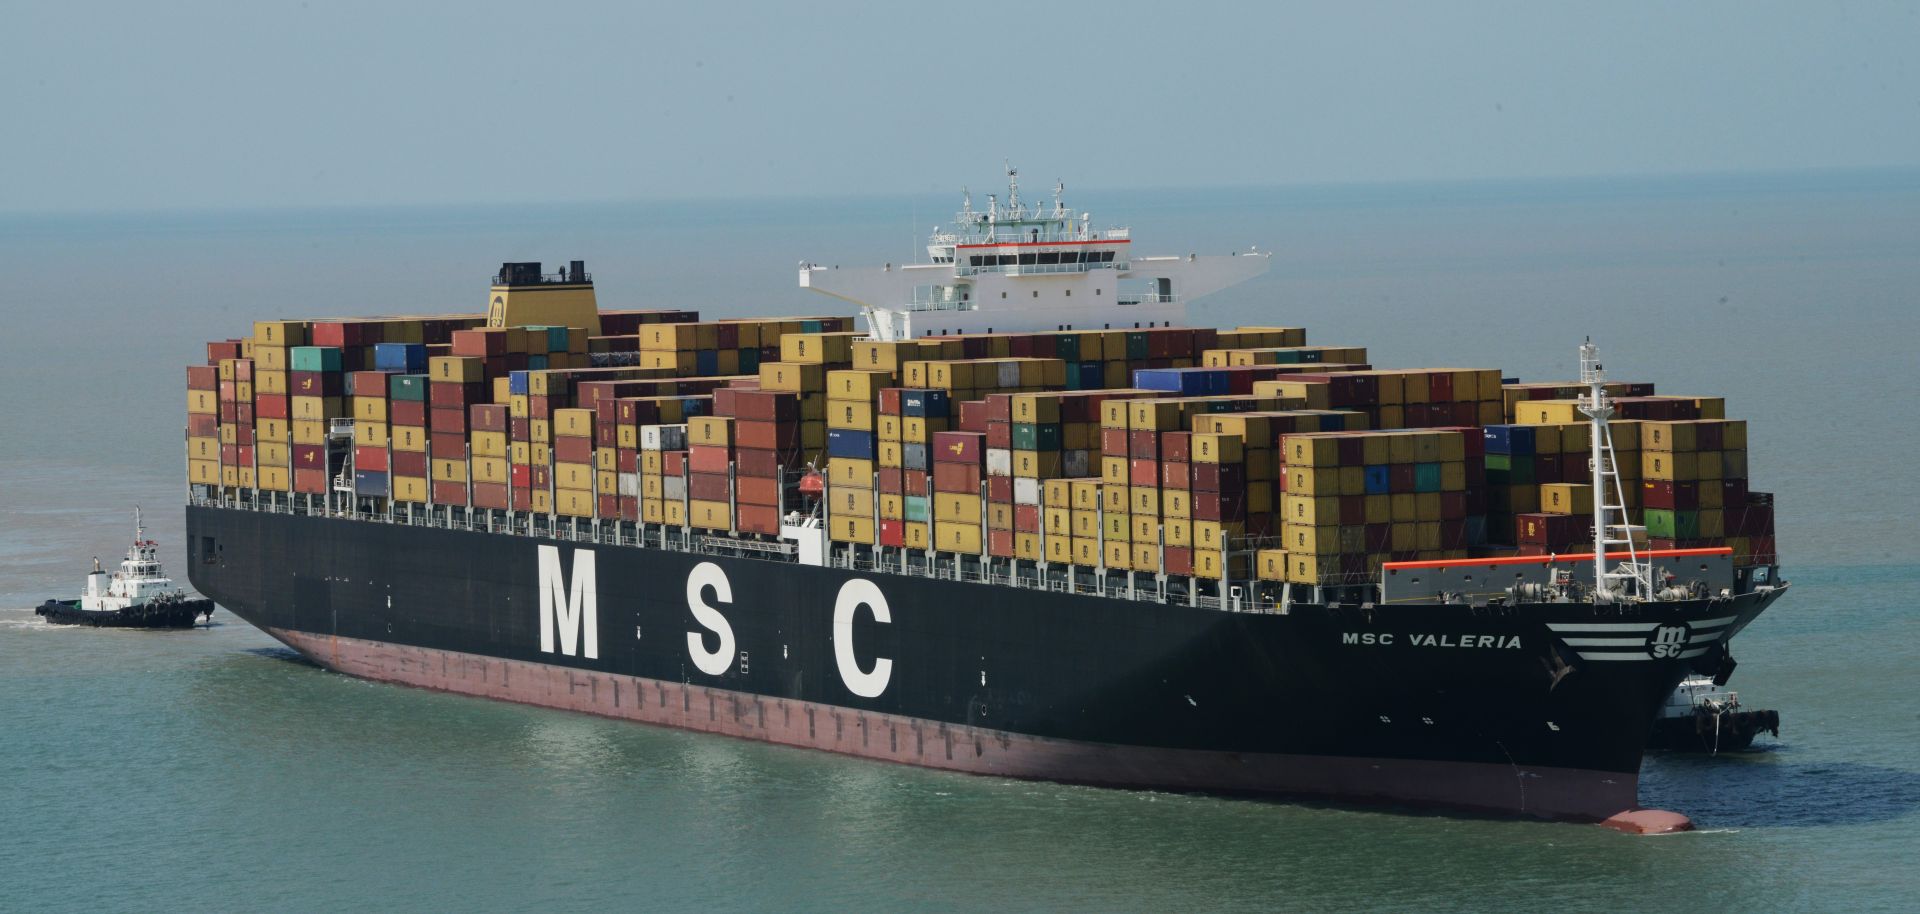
[1611, 525]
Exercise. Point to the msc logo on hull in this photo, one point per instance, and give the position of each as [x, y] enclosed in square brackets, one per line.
[570, 619]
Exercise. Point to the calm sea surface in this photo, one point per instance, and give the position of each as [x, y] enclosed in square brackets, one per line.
[212, 770]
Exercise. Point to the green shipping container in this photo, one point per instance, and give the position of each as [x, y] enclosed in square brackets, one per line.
[916, 508]
[1426, 477]
[1673, 525]
[1036, 436]
[407, 387]
[1067, 346]
[315, 358]
[1136, 346]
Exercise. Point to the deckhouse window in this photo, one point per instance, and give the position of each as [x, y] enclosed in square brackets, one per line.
[1049, 258]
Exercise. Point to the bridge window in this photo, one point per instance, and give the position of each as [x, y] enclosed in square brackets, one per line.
[1006, 260]
[1027, 260]
[1069, 256]
[1049, 258]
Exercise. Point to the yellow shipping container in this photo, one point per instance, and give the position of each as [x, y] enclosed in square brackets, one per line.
[456, 369]
[405, 437]
[273, 454]
[573, 476]
[1312, 451]
[1215, 448]
[1669, 466]
[1039, 464]
[1310, 540]
[489, 444]
[850, 414]
[1669, 436]
[1546, 412]
[709, 515]
[445, 470]
[849, 471]
[203, 402]
[1059, 549]
[410, 488]
[572, 422]
[1566, 498]
[949, 536]
[1309, 569]
[1119, 554]
[203, 448]
[1117, 526]
[851, 501]
[710, 431]
[491, 469]
[793, 378]
[957, 508]
[309, 431]
[857, 383]
[1270, 565]
[818, 348]
[279, 479]
[1310, 510]
[850, 529]
[369, 409]
[203, 472]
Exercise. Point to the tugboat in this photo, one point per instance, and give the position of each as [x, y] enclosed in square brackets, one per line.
[139, 595]
[1704, 716]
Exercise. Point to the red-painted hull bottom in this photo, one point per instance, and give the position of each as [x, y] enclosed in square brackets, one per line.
[1548, 793]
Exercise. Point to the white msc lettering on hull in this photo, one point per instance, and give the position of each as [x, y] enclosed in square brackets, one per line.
[569, 610]
[1422, 639]
[703, 576]
[853, 595]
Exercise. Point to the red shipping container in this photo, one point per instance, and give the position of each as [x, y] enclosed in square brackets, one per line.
[449, 493]
[1176, 476]
[542, 407]
[1143, 445]
[958, 447]
[449, 394]
[757, 519]
[447, 446]
[1218, 506]
[605, 435]
[1733, 493]
[228, 414]
[1026, 518]
[222, 349]
[409, 463]
[630, 508]
[707, 486]
[345, 333]
[1440, 387]
[488, 341]
[370, 459]
[1453, 506]
[1176, 447]
[543, 478]
[628, 460]
[1143, 472]
[673, 463]
[893, 532]
[244, 452]
[1000, 408]
[230, 455]
[916, 482]
[1554, 530]
[1000, 435]
[310, 482]
[890, 481]
[707, 458]
[447, 420]
[520, 429]
[607, 506]
[201, 425]
[407, 412]
[571, 449]
[243, 414]
[316, 384]
[1178, 559]
[1113, 442]
[890, 406]
[757, 405]
[490, 495]
[772, 436]
[1000, 543]
[764, 464]
[522, 498]
[752, 490]
[1219, 477]
[520, 475]
[1000, 489]
[958, 478]
[308, 456]
[1400, 478]
[1376, 537]
[203, 377]
[972, 416]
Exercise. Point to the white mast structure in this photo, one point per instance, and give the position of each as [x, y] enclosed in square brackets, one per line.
[1017, 267]
[1611, 525]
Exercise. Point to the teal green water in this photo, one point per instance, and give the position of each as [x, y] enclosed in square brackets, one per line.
[213, 771]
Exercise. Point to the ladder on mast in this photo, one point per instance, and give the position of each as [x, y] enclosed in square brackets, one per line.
[1612, 527]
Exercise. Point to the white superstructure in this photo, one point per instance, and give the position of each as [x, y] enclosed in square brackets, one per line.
[139, 580]
[1018, 268]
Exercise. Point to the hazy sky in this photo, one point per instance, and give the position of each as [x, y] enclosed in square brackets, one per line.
[265, 103]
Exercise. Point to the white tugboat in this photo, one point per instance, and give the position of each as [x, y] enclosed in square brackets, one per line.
[139, 595]
[1017, 268]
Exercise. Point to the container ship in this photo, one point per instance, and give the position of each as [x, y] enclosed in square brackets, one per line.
[1024, 521]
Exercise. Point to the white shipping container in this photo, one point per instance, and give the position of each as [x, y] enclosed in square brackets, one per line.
[673, 488]
[1026, 491]
[630, 484]
[999, 461]
[1009, 374]
[663, 437]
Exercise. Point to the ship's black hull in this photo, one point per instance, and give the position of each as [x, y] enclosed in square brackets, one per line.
[170, 614]
[1452, 705]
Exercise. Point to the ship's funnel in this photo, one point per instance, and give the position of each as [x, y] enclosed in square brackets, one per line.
[524, 296]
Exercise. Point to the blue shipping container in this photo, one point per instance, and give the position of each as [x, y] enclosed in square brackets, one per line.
[1510, 439]
[1378, 482]
[924, 404]
[406, 358]
[368, 482]
[517, 382]
[849, 443]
